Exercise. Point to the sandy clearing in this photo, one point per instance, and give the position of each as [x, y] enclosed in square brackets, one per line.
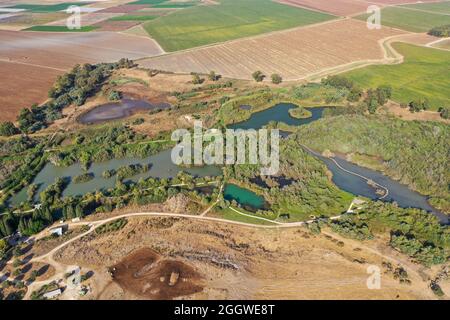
[295, 54]
[238, 262]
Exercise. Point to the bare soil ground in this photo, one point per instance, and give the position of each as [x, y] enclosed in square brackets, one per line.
[116, 25]
[24, 20]
[236, 262]
[44, 271]
[45, 245]
[87, 19]
[21, 85]
[32, 60]
[144, 273]
[337, 7]
[125, 8]
[388, 2]
[294, 54]
[404, 113]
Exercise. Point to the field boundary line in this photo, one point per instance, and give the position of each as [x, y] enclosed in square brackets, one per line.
[32, 65]
[87, 35]
[403, 6]
[169, 53]
[432, 43]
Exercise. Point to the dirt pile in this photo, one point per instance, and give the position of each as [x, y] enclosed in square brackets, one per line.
[146, 274]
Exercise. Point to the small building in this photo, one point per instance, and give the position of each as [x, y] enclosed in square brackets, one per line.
[57, 231]
[52, 294]
[77, 219]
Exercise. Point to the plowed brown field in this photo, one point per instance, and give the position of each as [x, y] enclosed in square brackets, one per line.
[337, 7]
[400, 1]
[294, 54]
[32, 60]
[345, 7]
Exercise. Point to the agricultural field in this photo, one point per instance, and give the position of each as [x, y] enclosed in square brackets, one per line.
[424, 74]
[294, 54]
[443, 44]
[47, 7]
[336, 7]
[23, 20]
[394, 2]
[437, 7]
[228, 20]
[47, 55]
[32, 83]
[411, 19]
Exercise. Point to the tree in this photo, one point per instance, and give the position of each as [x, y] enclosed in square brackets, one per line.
[419, 105]
[213, 76]
[258, 76]
[371, 101]
[79, 211]
[276, 78]
[8, 129]
[3, 248]
[445, 112]
[196, 79]
[114, 96]
[383, 93]
[355, 94]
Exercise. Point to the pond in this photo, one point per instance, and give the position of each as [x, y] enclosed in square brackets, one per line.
[118, 110]
[345, 180]
[246, 198]
[355, 184]
[278, 113]
[161, 166]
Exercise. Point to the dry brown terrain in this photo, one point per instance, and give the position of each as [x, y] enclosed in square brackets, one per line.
[88, 18]
[337, 7]
[126, 8]
[403, 113]
[21, 85]
[294, 54]
[236, 262]
[388, 2]
[145, 273]
[31, 61]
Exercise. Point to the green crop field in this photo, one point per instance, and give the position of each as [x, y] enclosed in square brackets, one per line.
[130, 17]
[169, 5]
[231, 19]
[150, 2]
[410, 20]
[60, 29]
[49, 7]
[424, 74]
[438, 7]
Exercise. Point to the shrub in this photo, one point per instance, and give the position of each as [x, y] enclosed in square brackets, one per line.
[441, 31]
[258, 76]
[8, 129]
[196, 79]
[444, 112]
[85, 177]
[276, 78]
[114, 95]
